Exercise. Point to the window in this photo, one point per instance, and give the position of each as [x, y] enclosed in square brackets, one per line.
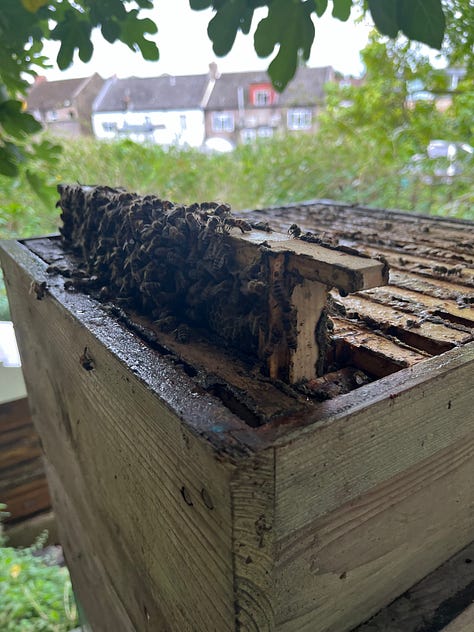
[109, 127]
[182, 121]
[262, 97]
[265, 132]
[248, 135]
[222, 122]
[52, 115]
[299, 119]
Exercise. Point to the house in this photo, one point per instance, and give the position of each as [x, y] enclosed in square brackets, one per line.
[244, 105]
[64, 107]
[165, 110]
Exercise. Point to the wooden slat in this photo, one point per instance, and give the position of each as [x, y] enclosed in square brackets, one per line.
[432, 337]
[316, 263]
[14, 414]
[436, 603]
[437, 288]
[420, 304]
[371, 352]
[27, 499]
[463, 623]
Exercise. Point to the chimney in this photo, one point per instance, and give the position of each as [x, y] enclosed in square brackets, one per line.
[39, 79]
[213, 71]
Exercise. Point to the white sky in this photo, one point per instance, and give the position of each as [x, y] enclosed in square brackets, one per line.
[186, 49]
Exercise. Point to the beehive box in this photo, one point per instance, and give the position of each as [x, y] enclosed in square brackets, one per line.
[193, 493]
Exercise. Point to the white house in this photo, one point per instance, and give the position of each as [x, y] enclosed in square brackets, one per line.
[165, 110]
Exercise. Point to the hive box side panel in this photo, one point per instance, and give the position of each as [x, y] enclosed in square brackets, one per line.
[371, 502]
[252, 492]
[141, 500]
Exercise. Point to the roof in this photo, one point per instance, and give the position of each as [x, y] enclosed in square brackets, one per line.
[152, 93]
[307, 88]
[51, 95]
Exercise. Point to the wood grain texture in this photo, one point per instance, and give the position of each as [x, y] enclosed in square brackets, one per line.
[435, 603]
[317, 263]
[23, 485]
[369, 436]
[339, 569]
[371, 503]
[463, 623]
[252, 492]
[136, 476]
[194, 521]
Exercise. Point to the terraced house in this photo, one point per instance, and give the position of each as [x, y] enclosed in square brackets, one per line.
[244, 106]
[182, 110]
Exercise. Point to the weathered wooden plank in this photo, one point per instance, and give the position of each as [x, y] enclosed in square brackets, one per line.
[27, 499]
[317, 263]
[437, 288]
[252, 491]
[422, 305]
[390, 428]
[14, 414]
[123, 447]
[371, 352]
[463, 623]
[433, 337]
[435, 603]
[373, 548]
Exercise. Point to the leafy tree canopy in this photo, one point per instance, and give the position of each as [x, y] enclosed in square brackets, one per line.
[287, 29]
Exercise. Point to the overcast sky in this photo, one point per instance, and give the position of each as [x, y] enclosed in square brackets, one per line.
[186, 49]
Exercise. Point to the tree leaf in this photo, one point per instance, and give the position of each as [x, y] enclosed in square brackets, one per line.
[222, 29]
[8, 161]
[110, 30]
[33, 5]
[321, 6]
[289, 25]
[74, 32]
[132, 33]
[422, 20]
[15, 122]
[43, 190]
[199, 5]
[342, 9]
[385, 16]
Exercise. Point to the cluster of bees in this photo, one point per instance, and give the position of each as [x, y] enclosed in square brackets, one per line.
[173, 262]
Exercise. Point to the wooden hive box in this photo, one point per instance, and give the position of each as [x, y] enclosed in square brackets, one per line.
[192, 496]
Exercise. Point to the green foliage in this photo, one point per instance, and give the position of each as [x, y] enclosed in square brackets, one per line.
[289, 25]
[24, 25]
[35, 594]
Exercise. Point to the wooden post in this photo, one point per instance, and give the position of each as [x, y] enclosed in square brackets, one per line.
[299, 275]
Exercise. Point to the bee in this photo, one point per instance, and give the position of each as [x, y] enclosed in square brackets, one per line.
[222, 209]
[279, 291]
[264, 226]
[182, 333]
[193, 223]
[294, 230]
[254, 286]
[231, 222]
[208, 206]
[171, 233]
[86, 360]
[40, 289]
[166, 323]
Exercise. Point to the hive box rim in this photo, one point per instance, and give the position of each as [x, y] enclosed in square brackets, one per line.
[275, 433]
